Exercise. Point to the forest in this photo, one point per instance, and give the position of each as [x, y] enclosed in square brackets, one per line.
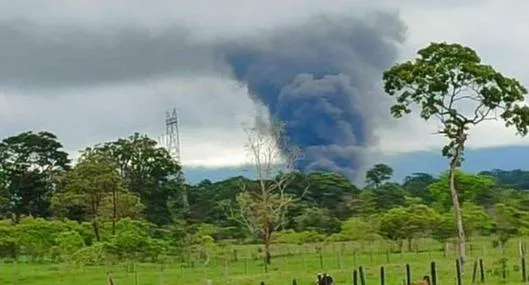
[127, 199]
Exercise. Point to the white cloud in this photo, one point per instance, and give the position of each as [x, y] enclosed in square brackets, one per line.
[210, 123]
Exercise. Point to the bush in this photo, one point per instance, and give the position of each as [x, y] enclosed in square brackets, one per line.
[96, 254]
[8, 241]
[67, 244]
[292, 237]
[356, 229]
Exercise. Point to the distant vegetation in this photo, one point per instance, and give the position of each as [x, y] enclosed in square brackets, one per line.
[126, 200]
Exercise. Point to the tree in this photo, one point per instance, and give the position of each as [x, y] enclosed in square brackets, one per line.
[478, 189]
[516, 178]
[399, 224]
[378, 174]
[88, 184]
[149, 171]
[31, 162]
[448, 82]
[417, 185]
[510, 221]
[383, 198]
[331, 191]
[317, 219]
[475, 219]
[357, 229]
[261, 206]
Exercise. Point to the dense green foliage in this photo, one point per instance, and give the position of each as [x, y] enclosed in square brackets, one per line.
[127, 200]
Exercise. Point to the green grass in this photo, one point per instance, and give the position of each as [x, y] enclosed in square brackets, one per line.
[289, 262]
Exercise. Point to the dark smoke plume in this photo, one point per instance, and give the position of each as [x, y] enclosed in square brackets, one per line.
[321, 80]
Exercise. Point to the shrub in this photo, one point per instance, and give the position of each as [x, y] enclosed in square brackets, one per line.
[290, 236]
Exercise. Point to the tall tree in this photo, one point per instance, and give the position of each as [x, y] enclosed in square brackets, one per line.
[149, 171]
[31, 161]
[449, 82]
[89, 185]
[383, 198]
[417, 185]
[261, 206]
[378, 174]
[331, 191]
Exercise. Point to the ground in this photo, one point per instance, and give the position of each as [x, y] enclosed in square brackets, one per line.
[300, 262]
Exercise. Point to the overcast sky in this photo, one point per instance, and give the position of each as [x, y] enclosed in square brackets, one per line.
[95, 70]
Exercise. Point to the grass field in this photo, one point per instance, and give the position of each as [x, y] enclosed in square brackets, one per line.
[289, 262]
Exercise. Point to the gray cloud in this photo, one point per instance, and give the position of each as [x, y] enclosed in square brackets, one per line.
[69, 56]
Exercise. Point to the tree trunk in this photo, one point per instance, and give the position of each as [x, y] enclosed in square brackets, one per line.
[410, 243]
[15, 217]
[114, 211]
[96, 229]
[459, 217]
[268, 256]
[266, 242]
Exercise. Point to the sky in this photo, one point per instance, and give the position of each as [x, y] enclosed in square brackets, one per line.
[93, 70]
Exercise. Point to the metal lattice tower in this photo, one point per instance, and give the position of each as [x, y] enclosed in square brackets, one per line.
[171, 140]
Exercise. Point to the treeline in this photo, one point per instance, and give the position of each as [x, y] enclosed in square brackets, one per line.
[127, 199]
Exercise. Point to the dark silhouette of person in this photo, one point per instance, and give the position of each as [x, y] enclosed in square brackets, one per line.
[324, 279]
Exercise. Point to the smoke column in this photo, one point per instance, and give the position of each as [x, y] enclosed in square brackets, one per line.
[320, 79]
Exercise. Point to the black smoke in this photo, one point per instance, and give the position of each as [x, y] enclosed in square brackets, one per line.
[321, 80]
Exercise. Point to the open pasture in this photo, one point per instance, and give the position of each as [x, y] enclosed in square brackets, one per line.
[240, 265]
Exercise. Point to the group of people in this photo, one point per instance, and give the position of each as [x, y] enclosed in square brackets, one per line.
[324, 279]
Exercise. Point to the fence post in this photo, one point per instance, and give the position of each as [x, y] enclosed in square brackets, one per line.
[474, 271]
[433, 272]
[362, 275]
[458, 271]
[355, 277]
[504, 269]
[481, 271]
[246, 265]
[382, 276]
[524, 273]
[235, 255]
[408, 274]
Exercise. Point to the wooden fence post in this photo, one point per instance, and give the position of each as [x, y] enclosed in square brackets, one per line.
[433, 272]
[408, 274]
